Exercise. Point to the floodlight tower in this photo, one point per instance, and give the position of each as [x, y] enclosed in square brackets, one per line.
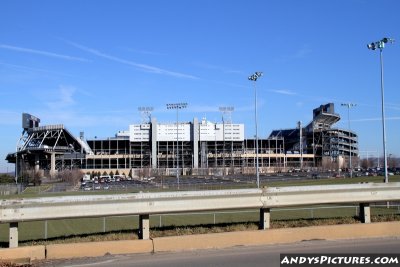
[373, 46]
[226, 117]
[300, 143]
[254, 77]
[177, 106]
[145, 113]
[349, 105]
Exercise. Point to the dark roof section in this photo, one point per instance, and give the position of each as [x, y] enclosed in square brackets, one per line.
[49, 139]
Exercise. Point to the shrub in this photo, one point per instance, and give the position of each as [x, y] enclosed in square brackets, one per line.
[6, 179]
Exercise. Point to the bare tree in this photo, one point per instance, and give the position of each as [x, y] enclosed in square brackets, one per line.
[31, 176]
[329, 164]
[392, 162]
[70, 176]
[366, 163]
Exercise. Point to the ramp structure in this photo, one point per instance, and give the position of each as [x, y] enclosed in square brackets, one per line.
[321, 138]
[39, 146]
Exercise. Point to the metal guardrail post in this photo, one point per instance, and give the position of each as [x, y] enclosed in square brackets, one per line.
[13, 238]
[144, 226]
[265, 218]
[365, 213]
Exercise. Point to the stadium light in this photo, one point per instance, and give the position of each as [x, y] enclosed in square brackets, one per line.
[373, 46]
[349, 105]
[145, 113]
[226, 111]
[254, 77]
[177, 106]
[16, 168]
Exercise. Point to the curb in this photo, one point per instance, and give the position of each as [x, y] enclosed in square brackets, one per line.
[276, 236]
[23, 253]
[98, 249]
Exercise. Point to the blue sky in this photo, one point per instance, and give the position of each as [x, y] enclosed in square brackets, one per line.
[90, 64]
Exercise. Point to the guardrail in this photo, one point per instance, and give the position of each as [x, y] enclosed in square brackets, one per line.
[144, 204]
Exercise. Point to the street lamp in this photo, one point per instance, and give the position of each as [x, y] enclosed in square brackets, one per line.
[254, 78]
[373, 46]
[349, 105]
[177, 106]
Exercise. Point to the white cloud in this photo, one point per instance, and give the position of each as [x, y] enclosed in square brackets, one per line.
[392, 106]
[64, 98]
[302, 52]
[40, 52]
[376, 119]
[29, 69]
[283, 92]
[219, 68]
[146, 52]
[143, 67]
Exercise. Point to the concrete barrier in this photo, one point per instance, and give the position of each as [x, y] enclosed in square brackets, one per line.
[24, 253]
[203, 241]
[276, 236]
[97, 249]
[146, 204]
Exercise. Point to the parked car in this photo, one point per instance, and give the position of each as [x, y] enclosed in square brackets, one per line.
[86, 177]
[119, 177]
[106, 178]
[315, 176]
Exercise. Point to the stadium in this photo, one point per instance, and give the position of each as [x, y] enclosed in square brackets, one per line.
[198, 147]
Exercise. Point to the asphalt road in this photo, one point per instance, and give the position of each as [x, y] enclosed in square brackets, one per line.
[237, 256]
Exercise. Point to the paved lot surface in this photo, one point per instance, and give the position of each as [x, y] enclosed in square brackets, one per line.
[238, 256]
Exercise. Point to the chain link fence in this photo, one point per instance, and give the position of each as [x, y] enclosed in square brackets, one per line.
[52, 229]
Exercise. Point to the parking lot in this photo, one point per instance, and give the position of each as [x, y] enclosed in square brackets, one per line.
[196, 182]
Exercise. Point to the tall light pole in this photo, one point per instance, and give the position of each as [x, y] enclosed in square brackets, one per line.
[373, 46]
[146, 118]
[177, 106]
[349, 105]
[254, 77]
[300, 145]
[226, 112]
[16, 166]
